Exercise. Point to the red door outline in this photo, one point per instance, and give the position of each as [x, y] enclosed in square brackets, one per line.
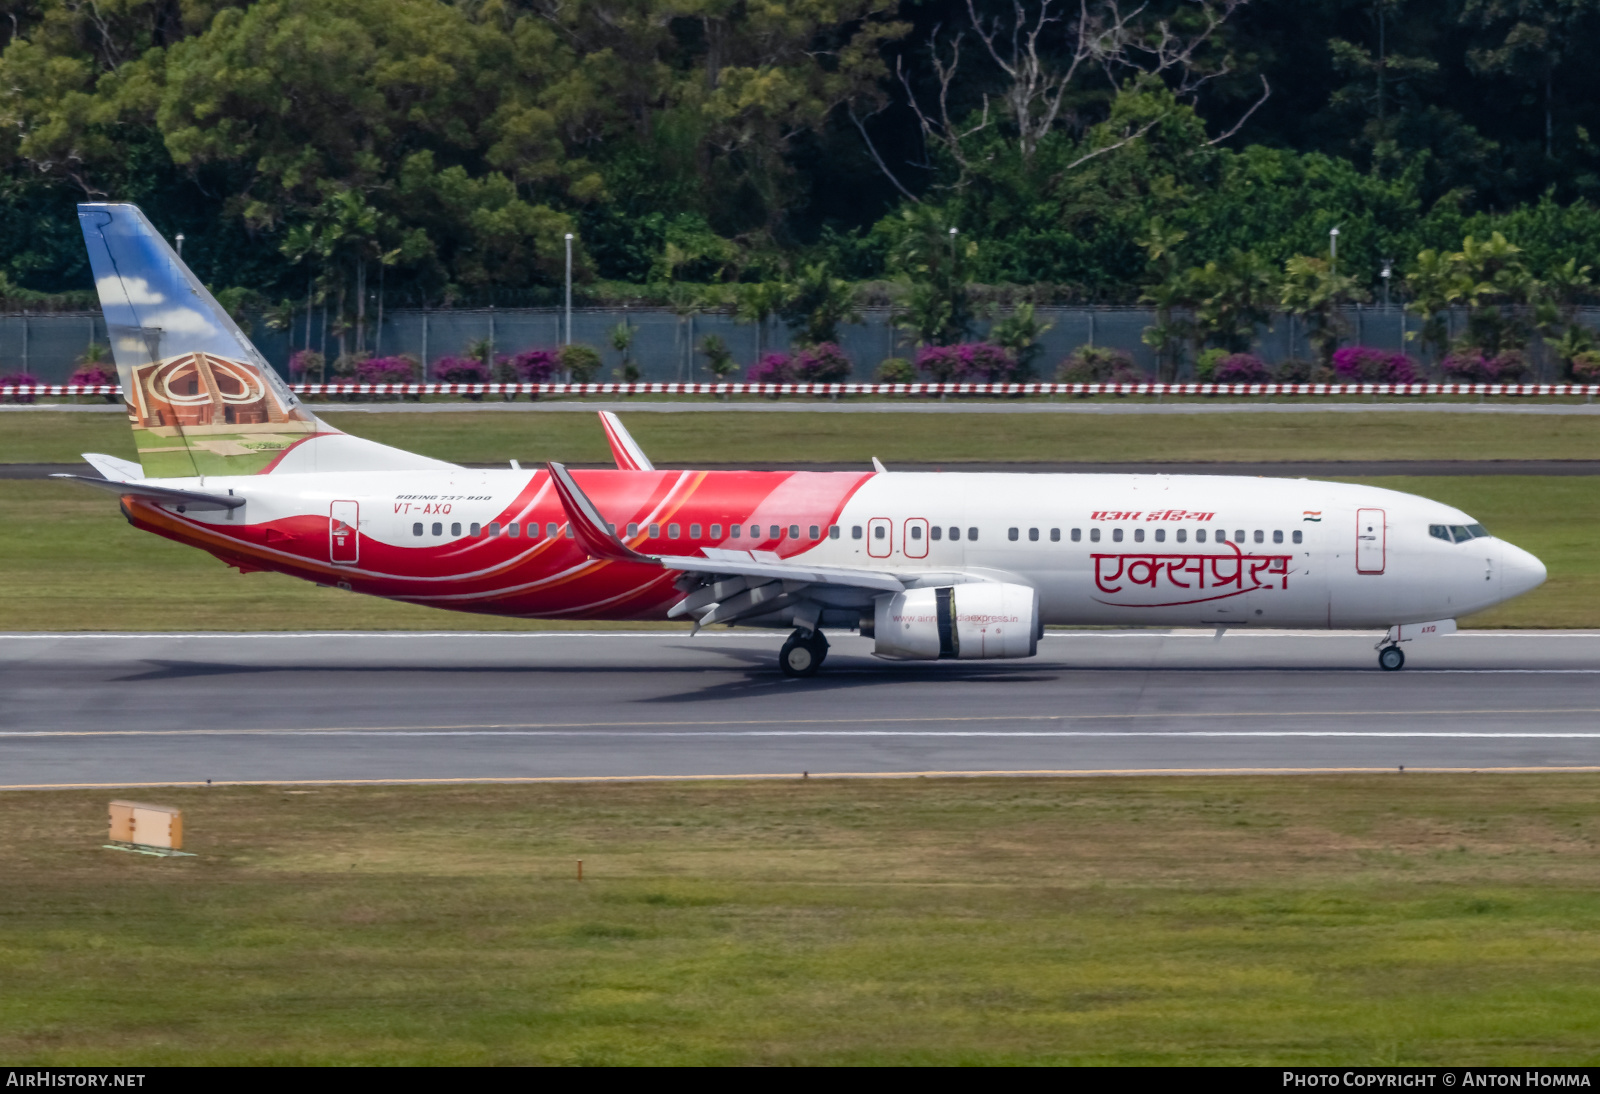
[1372, 544]
[344, 518]
[880, 547]
[914, 538]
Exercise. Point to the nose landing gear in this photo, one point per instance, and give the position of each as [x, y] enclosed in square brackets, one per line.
[1391, 658]
[803, 653]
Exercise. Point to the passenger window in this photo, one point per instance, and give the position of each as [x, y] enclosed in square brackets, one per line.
[935, 532]
[1297, 535]
[1094, 535]
[1011, 534]
[1116, 535]
[735, 529]
[655, 531]
[1261, 537]
[916, 531]
[855, 531]
[775, 533]
[878, 532]
[814, 532]
[794, 531]
[1199, 535]
[1077, 534]
[1183, 534]
[955, 534]
[477, 530]
[972, 534]
[438, 528]
[1222, 535]
[552, 529]
[833, 531]
[1161, 535]
[1055, 535]
[514, 529]
[1138, 535]
[1238, 535]
[755, 531]
[694, 531]
[612, 528]
[569, 531]
[673, 530]
[455, 528]
[716, 531]
[494, 528]
[633, 528]
[1277, 537]
[1033, 535]
[416, 529]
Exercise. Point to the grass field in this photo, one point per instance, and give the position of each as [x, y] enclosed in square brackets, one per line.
[73, 563]
[1385, 919]
[675, 440]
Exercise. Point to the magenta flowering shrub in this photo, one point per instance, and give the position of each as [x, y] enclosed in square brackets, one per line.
[823, 363]
[1241, 368]
[773, 368]
[1474, 366]
[385, 370]
[537, 366]
[16, 380]
[1586, 367]
[460, 370]
[967, 363]
[304, 361]
[96, 372]
[1363, 364]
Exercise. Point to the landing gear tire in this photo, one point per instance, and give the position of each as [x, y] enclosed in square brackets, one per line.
[1391, 658]
[803, 654]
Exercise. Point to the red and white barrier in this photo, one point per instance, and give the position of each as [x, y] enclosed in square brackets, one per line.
[32, 391]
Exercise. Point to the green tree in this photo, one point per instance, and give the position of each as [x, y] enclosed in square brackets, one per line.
[1314, 292]
[815, 303]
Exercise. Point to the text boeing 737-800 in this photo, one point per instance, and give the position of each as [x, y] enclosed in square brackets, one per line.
[928, 565]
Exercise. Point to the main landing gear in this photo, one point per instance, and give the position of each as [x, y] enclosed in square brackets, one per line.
[803, 653]
[1391, 658]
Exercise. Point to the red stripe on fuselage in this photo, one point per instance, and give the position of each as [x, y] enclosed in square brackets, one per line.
[546, 577]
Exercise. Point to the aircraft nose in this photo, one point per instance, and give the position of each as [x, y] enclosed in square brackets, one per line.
[1520, 571]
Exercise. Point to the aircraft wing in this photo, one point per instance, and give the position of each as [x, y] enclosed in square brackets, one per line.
[590, 529]
[626, 450]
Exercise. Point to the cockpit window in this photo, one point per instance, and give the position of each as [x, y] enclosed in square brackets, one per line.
[1457, 533]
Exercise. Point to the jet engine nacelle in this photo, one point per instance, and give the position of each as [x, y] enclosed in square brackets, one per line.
[966, 622]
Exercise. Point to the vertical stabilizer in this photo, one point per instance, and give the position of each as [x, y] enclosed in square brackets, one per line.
[202, 399]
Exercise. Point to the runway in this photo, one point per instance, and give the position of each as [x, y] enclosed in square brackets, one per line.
[137, 710]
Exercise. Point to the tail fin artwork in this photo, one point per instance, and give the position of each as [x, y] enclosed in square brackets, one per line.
[201, 398]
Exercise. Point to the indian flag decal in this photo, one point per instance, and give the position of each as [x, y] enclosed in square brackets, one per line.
[1312, 515]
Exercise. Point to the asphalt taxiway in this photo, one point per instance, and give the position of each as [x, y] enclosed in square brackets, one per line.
[130, 710]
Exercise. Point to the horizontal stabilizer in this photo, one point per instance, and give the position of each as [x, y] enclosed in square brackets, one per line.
[189, 499]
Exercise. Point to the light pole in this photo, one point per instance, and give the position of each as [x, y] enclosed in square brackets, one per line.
[568, 340]
[1333, 250]
[178, 239]
[1388, 272]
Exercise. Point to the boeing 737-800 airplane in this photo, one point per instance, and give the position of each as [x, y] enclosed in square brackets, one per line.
[927, 565]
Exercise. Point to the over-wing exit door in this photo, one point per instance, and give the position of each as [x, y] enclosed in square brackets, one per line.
[1371, 542]
[344, 517]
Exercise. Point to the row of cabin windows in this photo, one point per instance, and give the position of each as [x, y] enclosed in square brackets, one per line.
[1180, 535]
[880, 531]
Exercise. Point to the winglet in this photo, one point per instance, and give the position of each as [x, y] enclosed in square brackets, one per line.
[588, 527]
[877, 465]
[629, 456]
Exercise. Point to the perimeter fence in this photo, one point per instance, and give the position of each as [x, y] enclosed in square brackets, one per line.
[29, 393]
[665, 345]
